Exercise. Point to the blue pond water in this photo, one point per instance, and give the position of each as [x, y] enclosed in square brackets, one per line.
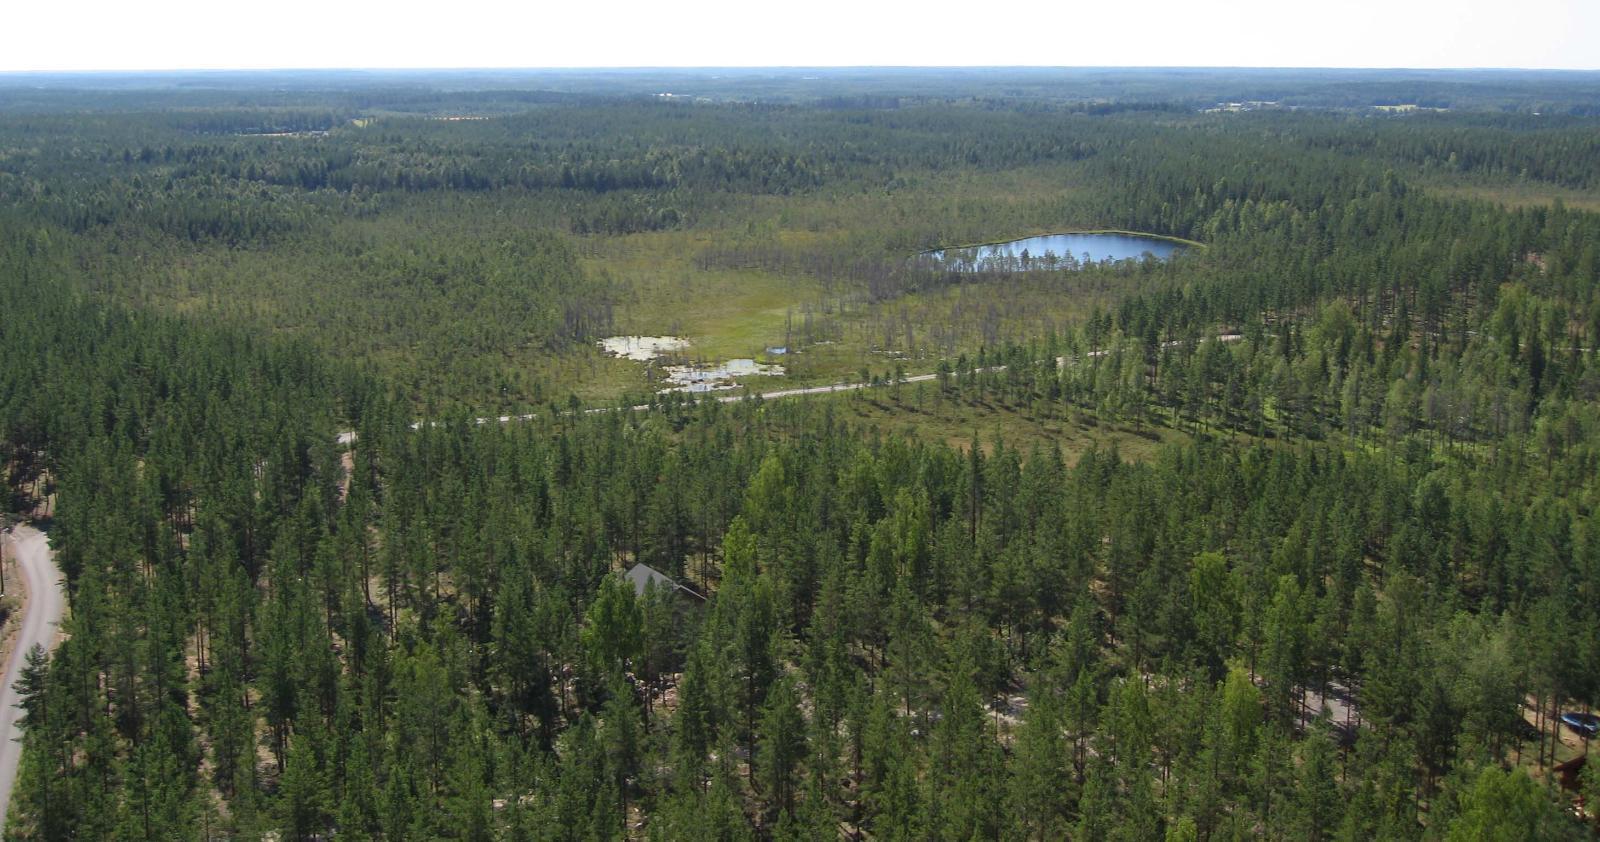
[1054, 251]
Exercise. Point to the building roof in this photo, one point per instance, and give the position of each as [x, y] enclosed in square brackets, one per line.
[642, 576]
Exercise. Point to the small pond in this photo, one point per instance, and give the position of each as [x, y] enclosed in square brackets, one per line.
[1053, 251]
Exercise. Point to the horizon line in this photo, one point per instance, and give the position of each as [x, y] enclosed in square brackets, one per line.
[774, 67]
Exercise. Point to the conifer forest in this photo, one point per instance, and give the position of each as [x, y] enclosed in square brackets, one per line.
[364, 534]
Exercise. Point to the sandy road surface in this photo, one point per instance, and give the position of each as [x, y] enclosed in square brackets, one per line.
[41, 615]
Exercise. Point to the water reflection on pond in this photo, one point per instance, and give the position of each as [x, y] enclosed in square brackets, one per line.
[1053, 251]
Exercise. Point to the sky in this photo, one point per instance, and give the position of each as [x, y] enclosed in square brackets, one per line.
[55, 35]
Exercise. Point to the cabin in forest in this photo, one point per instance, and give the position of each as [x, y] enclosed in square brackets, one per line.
[642, 576]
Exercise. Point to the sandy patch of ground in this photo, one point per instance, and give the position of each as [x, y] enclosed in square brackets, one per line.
[642, 349]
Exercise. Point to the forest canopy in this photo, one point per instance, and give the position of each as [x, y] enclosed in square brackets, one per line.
[1293, 535]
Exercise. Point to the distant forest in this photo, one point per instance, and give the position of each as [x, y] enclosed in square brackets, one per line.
[1293, 536]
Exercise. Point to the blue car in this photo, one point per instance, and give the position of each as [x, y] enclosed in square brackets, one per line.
[1586, 725]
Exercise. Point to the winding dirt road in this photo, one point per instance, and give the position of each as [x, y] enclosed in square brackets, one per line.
[41, 615]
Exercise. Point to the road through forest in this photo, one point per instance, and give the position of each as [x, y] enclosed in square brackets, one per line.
[349, 436]
[41, 615]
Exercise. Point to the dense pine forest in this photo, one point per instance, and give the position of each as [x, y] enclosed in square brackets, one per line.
[1294, 535]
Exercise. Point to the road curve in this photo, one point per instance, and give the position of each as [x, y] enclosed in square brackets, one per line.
[41, 615]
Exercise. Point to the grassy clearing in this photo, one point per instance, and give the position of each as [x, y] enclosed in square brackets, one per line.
[739, 312]
[725, 313]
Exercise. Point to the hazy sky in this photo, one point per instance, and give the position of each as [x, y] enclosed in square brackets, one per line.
[185, 34]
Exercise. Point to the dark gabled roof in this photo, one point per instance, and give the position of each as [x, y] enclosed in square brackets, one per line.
[642, 576]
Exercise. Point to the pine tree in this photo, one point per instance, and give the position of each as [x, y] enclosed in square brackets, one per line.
[303, 792]
[781, 748]
[694, 723]
[1040, 783]
[1318, 805]
[964, 766]
[1507, 805]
